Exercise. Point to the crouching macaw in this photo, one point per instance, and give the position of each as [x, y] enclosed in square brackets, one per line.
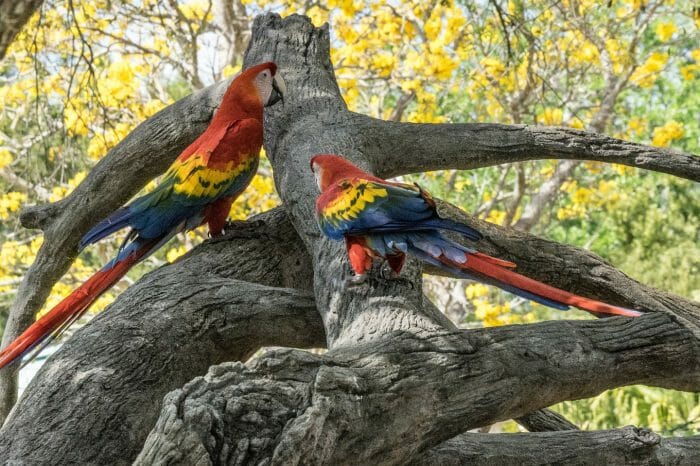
[198, 188]
[382, 219]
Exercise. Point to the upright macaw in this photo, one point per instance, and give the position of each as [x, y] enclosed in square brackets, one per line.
[198, 188]
[382, 219]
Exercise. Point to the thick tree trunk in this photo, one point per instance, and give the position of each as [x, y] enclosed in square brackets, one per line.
[399, 379]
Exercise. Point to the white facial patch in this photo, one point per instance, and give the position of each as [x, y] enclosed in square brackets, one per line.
[317, 175]
[263, 83]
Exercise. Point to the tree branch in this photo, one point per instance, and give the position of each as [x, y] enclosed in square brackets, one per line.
[14, 14]
[204, 282]
[546, 194]
[571, 268]
[291, 405]
[474, 145]
[545, 420]
[105, 385]
[629, 446]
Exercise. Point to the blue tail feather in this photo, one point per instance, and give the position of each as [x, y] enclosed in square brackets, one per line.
[447, 224]
[115, 222]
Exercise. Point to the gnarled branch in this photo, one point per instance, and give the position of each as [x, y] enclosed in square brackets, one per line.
[291, 405]
[574, 269]
[104, 387]
[474, 145]
[629, 446]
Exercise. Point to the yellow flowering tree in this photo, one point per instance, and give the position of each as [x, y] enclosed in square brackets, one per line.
[83, 74]
[77, 79]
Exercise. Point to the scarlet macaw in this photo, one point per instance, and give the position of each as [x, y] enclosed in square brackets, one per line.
[198, 188]
[383, 219]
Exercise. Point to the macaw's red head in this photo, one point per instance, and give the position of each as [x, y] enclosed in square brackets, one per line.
[329, 169]
[257, 87]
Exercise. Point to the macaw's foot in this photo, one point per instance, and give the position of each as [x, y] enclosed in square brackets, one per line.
[355, 280]
[229, 226]
[387, 273]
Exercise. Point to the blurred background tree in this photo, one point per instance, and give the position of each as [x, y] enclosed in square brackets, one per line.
[82, 74]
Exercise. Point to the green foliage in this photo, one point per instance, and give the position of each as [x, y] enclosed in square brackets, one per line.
[666, 412]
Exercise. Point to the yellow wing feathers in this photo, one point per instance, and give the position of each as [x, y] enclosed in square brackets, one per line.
[192, 177]
[354, 198]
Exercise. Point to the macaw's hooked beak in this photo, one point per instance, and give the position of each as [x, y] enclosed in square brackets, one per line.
[278, 90]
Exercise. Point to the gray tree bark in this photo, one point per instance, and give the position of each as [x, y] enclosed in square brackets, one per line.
[399, 380]
[628, 446]
[14, 14]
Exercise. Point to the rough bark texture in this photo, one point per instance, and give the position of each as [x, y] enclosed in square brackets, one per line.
[545, 420]
[384, 401]
[473, 145]
[201, 311]
[399, 379]
[14, 14]
[628, 446]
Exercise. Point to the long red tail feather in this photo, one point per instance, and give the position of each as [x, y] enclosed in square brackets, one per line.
[70, 309]
[491, 269]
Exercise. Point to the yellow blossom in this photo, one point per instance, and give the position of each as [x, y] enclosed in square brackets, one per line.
[496, 216]
[196, 9]
[636, 126]
[576, 123]
[663, 135]
[582, 196]
[75, 122]
[5, 157]
[11, 202]
[689, 71]
[664, 31]
[551, 116]
[476, 290]
[230, 70]
[175, 252]
[646, 74]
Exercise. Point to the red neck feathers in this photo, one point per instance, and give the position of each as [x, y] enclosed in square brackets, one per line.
[242, 99]
[330, 169]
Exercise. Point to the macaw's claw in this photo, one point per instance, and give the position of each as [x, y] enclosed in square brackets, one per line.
[355, 280]
[387, 273]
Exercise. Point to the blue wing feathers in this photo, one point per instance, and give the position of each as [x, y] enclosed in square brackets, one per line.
[403, 209]
[115, 222]
[446, 224]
